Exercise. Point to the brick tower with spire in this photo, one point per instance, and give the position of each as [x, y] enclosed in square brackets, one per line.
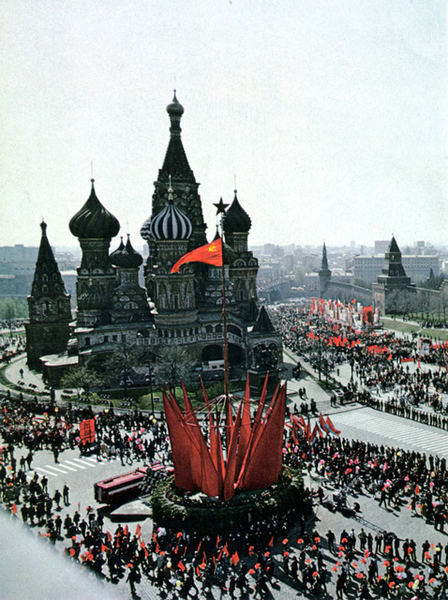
[324, 272]
[47, 331]
[393, 283]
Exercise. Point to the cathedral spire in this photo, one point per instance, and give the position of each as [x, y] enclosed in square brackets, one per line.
[47, 281]
[324, 272]
[47, 331]
[324, 265]
[176, 162]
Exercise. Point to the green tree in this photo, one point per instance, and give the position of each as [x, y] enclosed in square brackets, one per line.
[81, 378]
[173, 365]
[17, 307]
[119, 365]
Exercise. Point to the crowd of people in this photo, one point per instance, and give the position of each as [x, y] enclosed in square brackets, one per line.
[361, 561]
[379, 360]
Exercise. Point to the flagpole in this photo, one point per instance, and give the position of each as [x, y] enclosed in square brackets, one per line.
[224, 329]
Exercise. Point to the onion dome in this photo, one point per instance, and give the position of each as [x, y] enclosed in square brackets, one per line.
[126, 257]
[175, 108]
[171, 223]
[117, 253]
[93, 221]
[145, 230]
[236, 220]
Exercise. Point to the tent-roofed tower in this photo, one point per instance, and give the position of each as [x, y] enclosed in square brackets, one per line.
[393, 271]
[393, 285]
[324, 272]
[183, 182]
[48, 330]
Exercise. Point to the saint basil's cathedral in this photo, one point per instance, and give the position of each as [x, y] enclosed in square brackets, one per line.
[182, 309]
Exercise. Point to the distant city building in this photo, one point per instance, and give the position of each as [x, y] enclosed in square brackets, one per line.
[380, 247]
[418, 267]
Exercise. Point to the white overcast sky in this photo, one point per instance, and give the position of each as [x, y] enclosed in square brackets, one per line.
[331, 114]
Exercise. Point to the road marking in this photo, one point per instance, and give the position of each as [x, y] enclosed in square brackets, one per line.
[58, 469]
[408, 432]
[45, 471]
[81, 462]
[92, 459]
[67, 467]
[75, 464]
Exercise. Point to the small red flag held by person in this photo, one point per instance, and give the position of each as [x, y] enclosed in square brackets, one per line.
[235, 558]
[209, 253]
[181, 566]
[271, 541]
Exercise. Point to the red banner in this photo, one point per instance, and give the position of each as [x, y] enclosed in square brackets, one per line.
[87, 431]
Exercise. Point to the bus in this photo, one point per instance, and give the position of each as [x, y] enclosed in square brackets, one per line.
[121, 487]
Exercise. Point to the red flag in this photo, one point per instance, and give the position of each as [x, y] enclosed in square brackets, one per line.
[271, 542]
[210, 254]
[138, 530]
[329, 422]
[235, 558]
[181, 566]
[322, 424]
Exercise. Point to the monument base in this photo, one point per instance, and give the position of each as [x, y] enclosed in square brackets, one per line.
[191, 511]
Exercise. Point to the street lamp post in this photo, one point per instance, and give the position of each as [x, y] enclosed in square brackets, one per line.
[150, 380]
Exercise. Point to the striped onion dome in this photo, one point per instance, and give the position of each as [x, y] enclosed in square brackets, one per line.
[171, 223]
[93, 221]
